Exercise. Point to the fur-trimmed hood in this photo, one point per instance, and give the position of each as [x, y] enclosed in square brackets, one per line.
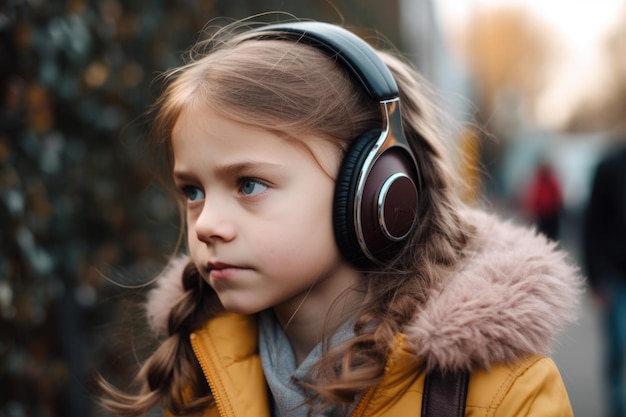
[510, 298]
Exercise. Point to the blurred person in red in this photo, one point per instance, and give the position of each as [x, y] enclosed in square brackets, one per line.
[544, 200]
[605, 257]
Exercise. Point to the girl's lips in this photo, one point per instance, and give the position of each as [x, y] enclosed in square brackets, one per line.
[223, 274]
[218, 265]
[222, 271]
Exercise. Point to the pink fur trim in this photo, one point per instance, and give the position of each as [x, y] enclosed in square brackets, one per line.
[162, 298]
[510, 299]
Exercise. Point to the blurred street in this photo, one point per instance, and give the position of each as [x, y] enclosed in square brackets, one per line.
[578, 355]
[578, 352]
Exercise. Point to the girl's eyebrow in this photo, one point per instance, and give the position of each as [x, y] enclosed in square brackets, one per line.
[246, 166]
[233, 169]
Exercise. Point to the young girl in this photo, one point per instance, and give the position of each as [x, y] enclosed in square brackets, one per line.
[330, 266]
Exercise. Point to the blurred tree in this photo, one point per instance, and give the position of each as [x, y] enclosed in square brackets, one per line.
[509, 53]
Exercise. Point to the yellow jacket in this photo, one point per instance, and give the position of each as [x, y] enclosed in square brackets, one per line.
[496, 316]
[226, 349]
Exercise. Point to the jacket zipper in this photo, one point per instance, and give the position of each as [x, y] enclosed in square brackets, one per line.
[359, 410]
[209, 370]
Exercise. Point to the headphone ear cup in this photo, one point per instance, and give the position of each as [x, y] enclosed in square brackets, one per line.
[388, 202]
[345, 191]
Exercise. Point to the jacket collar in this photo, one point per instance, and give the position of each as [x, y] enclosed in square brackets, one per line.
[510, 298]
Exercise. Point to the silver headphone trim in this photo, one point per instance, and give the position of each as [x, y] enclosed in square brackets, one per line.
[381, 208]
[391, 136]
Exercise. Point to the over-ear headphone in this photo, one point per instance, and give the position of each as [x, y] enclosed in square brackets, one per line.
[377, 188]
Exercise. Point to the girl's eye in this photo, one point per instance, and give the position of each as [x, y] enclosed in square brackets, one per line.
[250, 187]
[193, 193]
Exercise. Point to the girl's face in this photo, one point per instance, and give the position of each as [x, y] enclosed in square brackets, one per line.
[259, 213]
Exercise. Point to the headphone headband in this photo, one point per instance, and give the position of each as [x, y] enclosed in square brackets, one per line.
[353, 52]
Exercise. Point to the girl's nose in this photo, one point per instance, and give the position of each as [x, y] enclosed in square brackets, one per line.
[214, 224]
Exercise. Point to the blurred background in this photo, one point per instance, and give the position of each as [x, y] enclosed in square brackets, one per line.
[534, 86]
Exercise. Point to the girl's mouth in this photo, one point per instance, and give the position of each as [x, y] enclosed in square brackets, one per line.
[222, 271]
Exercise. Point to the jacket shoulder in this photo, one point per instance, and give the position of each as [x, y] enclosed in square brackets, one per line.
[528, 387]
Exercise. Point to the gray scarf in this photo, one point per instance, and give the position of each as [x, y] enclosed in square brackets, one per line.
[279, 367]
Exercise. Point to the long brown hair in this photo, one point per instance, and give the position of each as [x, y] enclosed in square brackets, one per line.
[296, 89]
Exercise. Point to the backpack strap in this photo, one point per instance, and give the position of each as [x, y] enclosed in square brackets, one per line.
[445, 394]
